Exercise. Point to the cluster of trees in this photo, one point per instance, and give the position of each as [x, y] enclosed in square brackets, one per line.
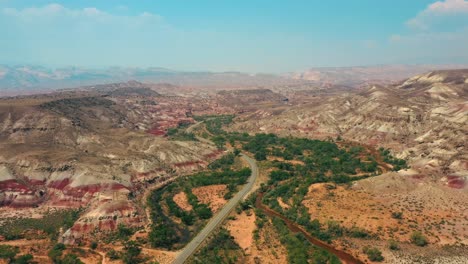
[224, 163]
[56, 255]
[224, 177]
[49, 224]
[318, 155]
[397, 163]
[322, 161]
[178, 133]
[165, 232]
[221, 249]
[214, 125]
[299, 249]
[9, 255]
[131, 253]
[202, 211]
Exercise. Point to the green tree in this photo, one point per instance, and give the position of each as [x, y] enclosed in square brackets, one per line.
[24, 259]
[71, 259]
[8, 252]
[131, 253]
[94, 245]
[203, 211]
[55, 254]
[113, 255]
[124, 232]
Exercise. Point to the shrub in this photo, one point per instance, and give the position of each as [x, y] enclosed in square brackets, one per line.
[8, 252]
[393, 245]
[397, 215]
[94, 245]
[55, 255]
[124, 232]
[373, 254]
[418, 239]
[24, 259]
[71, 259]
[59, 246]
[132, 252]
[113, 255]
[203, 211]
[358, 232]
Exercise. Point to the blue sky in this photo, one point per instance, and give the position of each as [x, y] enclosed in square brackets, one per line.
[242, 35]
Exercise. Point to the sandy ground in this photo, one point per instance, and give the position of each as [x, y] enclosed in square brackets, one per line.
[268, 249]
[213, 195]
[436, 210]
[242, 229]
[282, 204]
[182, 201]
[161, 256]
[39, 248]
[440, 213]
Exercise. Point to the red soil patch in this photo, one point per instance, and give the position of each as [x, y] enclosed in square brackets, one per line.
[213, 195]
[242, 229]
[182, 201]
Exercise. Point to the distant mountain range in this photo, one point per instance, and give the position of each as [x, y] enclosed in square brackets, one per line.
[354, 76]
[31, 79]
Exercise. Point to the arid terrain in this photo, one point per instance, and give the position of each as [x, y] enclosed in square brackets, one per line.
[92, 156]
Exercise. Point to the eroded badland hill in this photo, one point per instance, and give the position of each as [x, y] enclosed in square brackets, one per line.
[92, 156]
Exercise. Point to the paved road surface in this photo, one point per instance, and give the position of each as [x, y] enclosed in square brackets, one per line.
[216, 221]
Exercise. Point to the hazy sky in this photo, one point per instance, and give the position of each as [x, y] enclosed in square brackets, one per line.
[237, 35]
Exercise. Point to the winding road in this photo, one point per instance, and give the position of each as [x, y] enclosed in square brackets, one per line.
[218, 219]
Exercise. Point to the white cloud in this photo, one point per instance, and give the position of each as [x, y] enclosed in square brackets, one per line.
[440, 34]
[448, 7]
[54, 10]
[438, 11]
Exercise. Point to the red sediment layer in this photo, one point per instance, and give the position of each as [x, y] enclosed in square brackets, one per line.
[157, 132]
[187, 163]
[36, 182]
[456, 182]
[213, 155]
[59, 184]
[418, 176]
[82, 228]
[92, 188]
[121, 208]
[13, 185]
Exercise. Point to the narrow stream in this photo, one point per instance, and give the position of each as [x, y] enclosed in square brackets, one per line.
[343, 256]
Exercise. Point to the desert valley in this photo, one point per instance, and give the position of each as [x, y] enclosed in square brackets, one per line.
[233, 132]
[131, 172]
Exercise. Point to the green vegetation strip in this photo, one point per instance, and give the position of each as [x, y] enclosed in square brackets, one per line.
[167, 231]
